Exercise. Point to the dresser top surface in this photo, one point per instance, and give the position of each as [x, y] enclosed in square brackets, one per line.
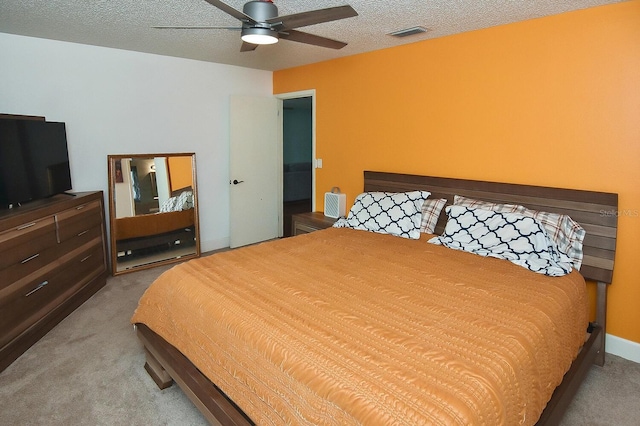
[48, 206]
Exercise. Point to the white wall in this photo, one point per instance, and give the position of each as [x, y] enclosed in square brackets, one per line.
[121, 102]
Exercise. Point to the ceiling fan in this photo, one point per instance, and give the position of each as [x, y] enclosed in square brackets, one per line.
[262, 25]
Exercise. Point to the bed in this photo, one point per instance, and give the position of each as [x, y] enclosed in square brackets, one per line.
[175, 222]
[378, 359]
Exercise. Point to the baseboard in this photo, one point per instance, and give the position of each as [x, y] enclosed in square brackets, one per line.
[623, 348]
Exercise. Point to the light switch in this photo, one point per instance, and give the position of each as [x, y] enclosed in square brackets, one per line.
[318, 163]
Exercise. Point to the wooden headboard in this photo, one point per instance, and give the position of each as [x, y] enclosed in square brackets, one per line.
[596, 212]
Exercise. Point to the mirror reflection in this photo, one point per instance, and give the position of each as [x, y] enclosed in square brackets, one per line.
[153, 210]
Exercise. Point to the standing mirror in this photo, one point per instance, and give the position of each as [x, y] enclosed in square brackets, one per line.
[153, 210]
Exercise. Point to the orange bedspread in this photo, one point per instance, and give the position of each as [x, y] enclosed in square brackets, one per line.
[346, 327]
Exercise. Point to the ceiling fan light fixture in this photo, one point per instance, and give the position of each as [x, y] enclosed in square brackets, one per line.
[259, 36]
[262, 25]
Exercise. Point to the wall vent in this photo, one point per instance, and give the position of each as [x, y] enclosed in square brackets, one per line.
[409, 31]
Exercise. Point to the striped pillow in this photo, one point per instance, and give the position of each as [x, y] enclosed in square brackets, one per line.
[430, 213]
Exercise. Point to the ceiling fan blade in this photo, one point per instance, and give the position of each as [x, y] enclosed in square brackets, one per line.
[193, 27]
[302, 37]
[248, 47]
[312, 17]
[231, 11]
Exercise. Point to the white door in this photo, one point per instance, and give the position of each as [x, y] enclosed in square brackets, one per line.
[254, 178]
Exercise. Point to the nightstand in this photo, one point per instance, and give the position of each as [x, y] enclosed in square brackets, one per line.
[303, 223]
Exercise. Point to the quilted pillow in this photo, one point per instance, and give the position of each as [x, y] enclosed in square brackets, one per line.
[395, 213]
[430, 214]
[566, 234]
[515, 237]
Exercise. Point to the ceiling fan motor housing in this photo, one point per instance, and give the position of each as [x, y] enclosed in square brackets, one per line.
[262, 25]
[260, 10]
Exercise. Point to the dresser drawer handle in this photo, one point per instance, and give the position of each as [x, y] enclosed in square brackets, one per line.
[30, 258]
[85, 258]
[82, 233]
[80, 207]
[28, 225]
[42, 284]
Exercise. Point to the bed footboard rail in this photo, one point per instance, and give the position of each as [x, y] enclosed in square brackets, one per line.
[563, 395]
[167, 364]
[591, 353]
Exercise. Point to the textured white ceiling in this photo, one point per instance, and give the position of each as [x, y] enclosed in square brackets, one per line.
[127, 24]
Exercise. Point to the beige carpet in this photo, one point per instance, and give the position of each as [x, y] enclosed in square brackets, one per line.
[89, 371]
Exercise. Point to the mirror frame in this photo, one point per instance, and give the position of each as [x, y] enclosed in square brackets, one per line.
[111, 161]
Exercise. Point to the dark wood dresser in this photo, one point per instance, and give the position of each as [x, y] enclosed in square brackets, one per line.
[52, 259]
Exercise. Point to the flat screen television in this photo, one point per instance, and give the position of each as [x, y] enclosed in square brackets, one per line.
[34, 161]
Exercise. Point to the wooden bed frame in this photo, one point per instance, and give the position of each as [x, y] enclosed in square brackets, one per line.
[155, 229]
[595, 211]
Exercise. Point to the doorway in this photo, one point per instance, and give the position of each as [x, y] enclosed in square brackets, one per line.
[297, 158]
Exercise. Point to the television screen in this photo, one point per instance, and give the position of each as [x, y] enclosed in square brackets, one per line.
[34, 161]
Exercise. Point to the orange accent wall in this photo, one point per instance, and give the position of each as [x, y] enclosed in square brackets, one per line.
[553, 101]
[180, 172]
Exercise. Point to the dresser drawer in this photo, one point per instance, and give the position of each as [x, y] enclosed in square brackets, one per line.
[52, 258]
[26, 241]
[78, 220]
[31, 300]
[50, 255]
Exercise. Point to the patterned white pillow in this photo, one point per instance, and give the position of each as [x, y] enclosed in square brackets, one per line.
[395, 213]
[566, 234]
[184, 201]
[515, 237]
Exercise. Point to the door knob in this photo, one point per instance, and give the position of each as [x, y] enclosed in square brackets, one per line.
[235, 181]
